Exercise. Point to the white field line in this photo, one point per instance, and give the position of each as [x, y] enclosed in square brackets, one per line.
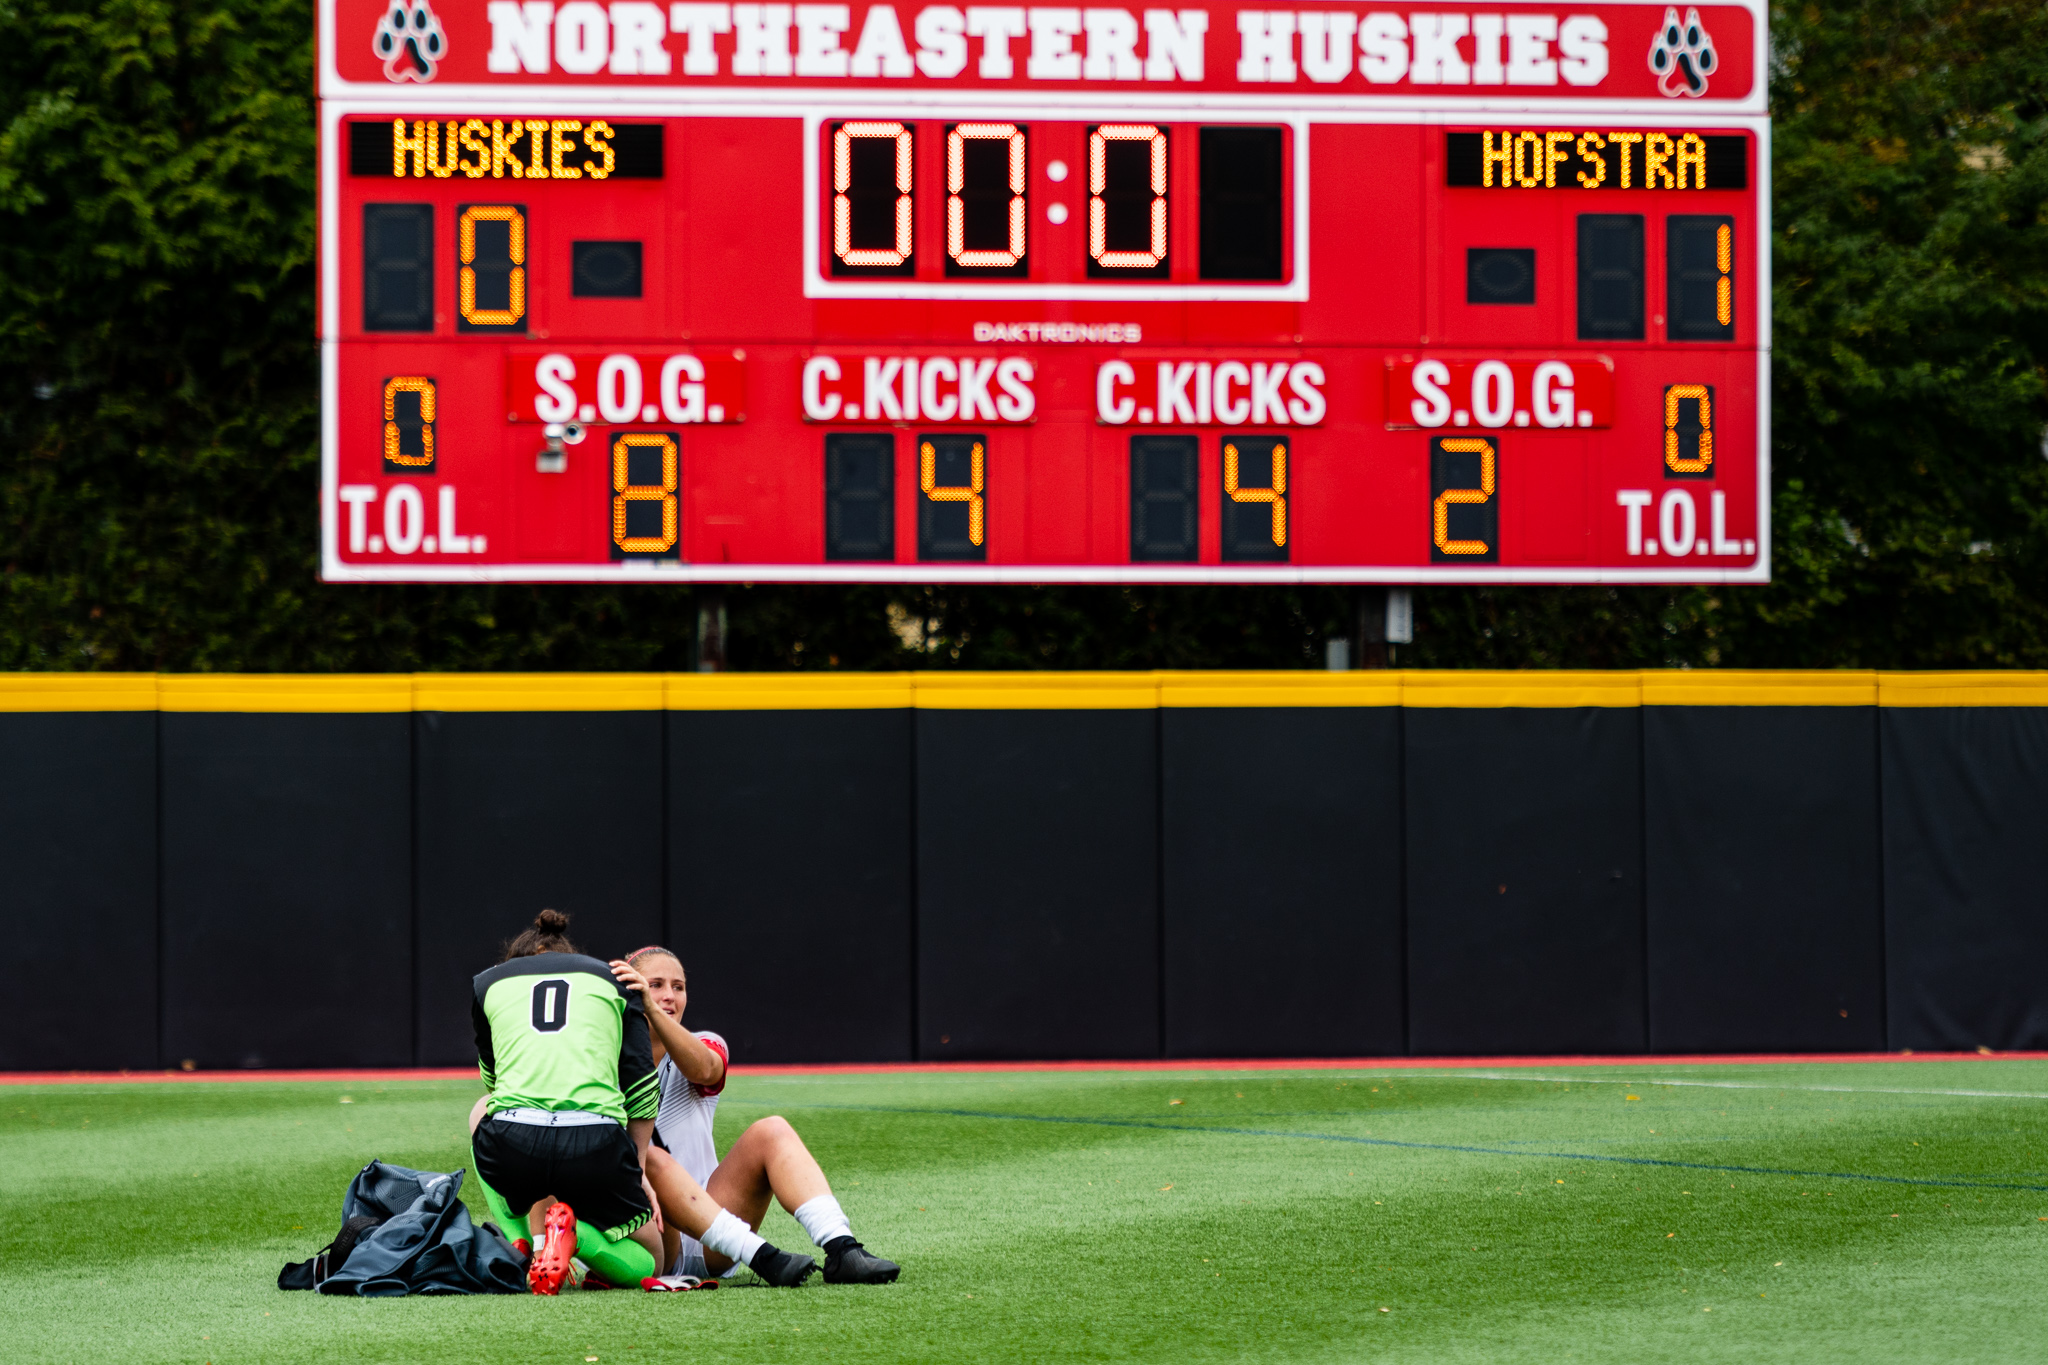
[1726, 1085]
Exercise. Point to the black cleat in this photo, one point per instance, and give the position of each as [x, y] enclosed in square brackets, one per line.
[848, 1262]
[783, 1269]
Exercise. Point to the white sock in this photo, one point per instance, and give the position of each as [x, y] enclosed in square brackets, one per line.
[728, 1236]
[823, 1219]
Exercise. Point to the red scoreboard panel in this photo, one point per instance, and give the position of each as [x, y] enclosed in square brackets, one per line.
[613, 289]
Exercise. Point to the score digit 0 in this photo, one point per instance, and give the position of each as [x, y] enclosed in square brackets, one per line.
[985, 199]
[1689, 431]
[871, 199]
[1127, 200]
[409, 425]
[490, 284]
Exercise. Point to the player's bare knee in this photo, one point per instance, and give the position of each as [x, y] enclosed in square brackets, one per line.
[775, 1129]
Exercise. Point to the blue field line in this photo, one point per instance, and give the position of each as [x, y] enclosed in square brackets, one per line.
[1414, 1146]
[1658, 1141]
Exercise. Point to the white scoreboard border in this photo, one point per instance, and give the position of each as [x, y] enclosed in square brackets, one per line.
[813, 108]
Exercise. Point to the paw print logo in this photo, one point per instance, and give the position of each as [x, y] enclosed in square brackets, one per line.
[1682, 55]
[409, 41]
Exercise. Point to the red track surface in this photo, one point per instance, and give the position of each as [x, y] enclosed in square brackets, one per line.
[1224, 1064]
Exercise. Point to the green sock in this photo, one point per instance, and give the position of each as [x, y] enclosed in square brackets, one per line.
[623, 1263]
[513, 1225]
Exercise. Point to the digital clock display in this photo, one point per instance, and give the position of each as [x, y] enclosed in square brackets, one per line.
[920, 293]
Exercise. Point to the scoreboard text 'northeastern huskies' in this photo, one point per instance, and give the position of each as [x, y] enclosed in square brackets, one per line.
[905, 291]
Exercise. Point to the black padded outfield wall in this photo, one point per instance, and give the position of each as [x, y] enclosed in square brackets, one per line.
[286, 863]
[286, 872]
[1765, 896]
[1282, 877]
[1525, 880]
[790, 880]
[1966, 876]
[78, 877]
[1037, 883]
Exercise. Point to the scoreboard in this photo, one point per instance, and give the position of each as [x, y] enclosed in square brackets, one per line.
[625, 290]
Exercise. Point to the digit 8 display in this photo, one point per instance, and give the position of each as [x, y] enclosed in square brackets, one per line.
[628, 491]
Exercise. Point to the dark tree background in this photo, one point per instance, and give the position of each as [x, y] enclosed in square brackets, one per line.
[158, 410]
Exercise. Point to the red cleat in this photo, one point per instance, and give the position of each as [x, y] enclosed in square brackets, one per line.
[551, 1263]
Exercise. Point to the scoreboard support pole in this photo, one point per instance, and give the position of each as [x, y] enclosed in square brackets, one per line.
[1372, 627]
[711, 628]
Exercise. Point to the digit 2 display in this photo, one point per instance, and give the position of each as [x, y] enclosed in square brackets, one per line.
[897, 291]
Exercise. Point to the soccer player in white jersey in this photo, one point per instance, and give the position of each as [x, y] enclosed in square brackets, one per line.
[768, 1160]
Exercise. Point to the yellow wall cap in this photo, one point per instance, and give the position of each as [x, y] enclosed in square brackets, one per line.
[77, 691]
[787, 691]
[1530, 689]
[1962, 689]
[1736, 687]
[1363, 687]
[397, 692]
[285, 692]
[537, 691]
[1036, 691]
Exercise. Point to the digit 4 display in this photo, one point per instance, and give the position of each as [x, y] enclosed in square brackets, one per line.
[612, 289]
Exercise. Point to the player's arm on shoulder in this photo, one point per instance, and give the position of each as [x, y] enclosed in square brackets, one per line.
[674, 1037]
[701, 1060]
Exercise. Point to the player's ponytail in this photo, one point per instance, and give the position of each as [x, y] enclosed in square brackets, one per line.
[549, 933]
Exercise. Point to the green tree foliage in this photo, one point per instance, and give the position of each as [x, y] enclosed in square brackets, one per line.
[158, 406]
[1912, 330]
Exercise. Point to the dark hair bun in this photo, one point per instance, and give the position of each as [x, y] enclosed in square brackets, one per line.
[549, 933]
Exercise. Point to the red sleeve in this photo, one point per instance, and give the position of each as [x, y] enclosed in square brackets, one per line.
[717, 1045]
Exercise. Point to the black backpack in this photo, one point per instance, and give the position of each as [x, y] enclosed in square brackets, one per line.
[408, 1232]
[309, 1274]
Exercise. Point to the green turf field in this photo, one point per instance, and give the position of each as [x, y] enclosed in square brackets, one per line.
[1812, 1213]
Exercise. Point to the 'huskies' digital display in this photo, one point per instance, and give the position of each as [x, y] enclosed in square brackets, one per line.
[505, 149]
[905, 291]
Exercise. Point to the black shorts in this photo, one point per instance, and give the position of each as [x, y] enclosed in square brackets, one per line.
[593, 1168]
